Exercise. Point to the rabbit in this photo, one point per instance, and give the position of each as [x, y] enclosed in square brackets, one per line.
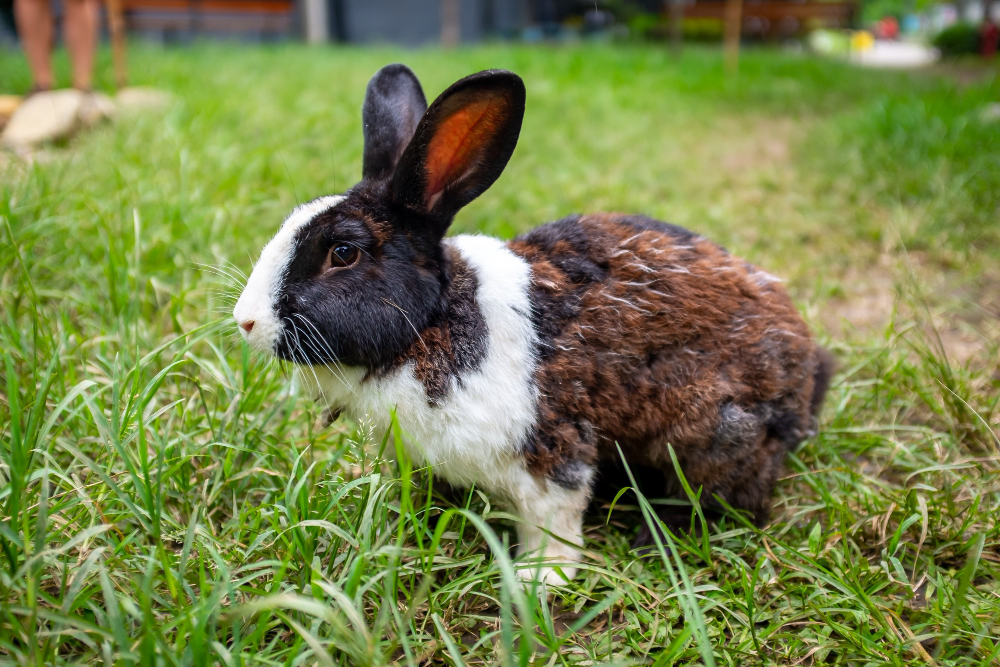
[522, 366]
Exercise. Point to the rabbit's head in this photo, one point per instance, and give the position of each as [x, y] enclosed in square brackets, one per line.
[353, 278]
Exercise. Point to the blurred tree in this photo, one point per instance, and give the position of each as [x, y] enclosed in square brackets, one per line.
[451, 26]
[990, 10]
[675, 14]
[732, 24]
[116, 29]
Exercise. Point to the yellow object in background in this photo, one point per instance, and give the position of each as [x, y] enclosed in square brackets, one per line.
[8, 105]
[862, 40]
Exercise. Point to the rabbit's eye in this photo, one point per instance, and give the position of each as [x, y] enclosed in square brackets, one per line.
[343, 255]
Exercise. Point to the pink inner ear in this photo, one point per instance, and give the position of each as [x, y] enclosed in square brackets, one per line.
[458, 144]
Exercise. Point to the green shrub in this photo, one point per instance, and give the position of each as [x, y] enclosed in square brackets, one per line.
[657, 28]
[959, 39]
[704, 30]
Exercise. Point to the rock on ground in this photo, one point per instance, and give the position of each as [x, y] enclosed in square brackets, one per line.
[141, 98]
[54, 115]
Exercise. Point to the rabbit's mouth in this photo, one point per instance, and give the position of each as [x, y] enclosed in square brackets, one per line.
[256, 320]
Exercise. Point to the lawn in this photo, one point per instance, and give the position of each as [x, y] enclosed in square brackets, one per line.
[165, 498]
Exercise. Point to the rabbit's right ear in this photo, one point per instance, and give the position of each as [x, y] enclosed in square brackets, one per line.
[394, 104]
[460, 148]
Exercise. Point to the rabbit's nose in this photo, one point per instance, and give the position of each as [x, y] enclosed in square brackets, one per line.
[247, 326]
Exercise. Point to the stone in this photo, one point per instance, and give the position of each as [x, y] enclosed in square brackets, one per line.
[142, 98]
[54, 115]
[95, 108]
[47, 116]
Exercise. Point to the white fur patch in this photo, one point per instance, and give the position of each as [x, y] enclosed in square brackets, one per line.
[257, 303]
[763, 278]
[548, 508]
[472, 434]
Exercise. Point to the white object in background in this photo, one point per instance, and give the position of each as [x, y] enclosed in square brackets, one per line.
[896, 55]
[317, 21]
[142, 98]
[54, 115]
[44, 117]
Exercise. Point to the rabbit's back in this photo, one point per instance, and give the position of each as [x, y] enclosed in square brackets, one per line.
[651, 335]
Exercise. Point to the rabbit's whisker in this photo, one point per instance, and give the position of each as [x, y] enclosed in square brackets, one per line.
[318, 344]
[298, 344]
[222, 273]
[235, 268]
[407, 318]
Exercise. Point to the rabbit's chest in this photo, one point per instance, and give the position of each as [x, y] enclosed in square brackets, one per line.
[471, 423]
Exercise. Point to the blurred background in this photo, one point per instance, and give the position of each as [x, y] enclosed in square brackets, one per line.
[955, 27]
[154, 476]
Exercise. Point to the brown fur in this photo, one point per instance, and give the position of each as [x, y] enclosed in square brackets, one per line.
[653, 336]
[457, 341]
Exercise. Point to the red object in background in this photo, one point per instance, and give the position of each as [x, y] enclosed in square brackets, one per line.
[887, 28]
[989, 39]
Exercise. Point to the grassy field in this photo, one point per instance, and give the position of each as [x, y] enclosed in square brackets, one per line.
[167, 499]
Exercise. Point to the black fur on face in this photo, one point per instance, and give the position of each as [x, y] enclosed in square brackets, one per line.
[421, 165]
[369, 313]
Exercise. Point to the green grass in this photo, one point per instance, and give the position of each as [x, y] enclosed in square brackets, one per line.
[165, 498]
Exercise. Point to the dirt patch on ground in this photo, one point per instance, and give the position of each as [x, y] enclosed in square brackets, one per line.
[742, 146]
[759, 144]
[963, 72]
[965, 317]
[867, 302]
[745, 145]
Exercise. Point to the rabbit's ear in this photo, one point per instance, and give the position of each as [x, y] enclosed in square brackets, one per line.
[393, 106]
[461, 146]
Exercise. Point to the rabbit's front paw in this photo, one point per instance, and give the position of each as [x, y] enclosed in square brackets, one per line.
[551, 576]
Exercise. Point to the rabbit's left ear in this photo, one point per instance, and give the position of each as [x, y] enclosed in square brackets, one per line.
[461, 145]
[393, 106]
